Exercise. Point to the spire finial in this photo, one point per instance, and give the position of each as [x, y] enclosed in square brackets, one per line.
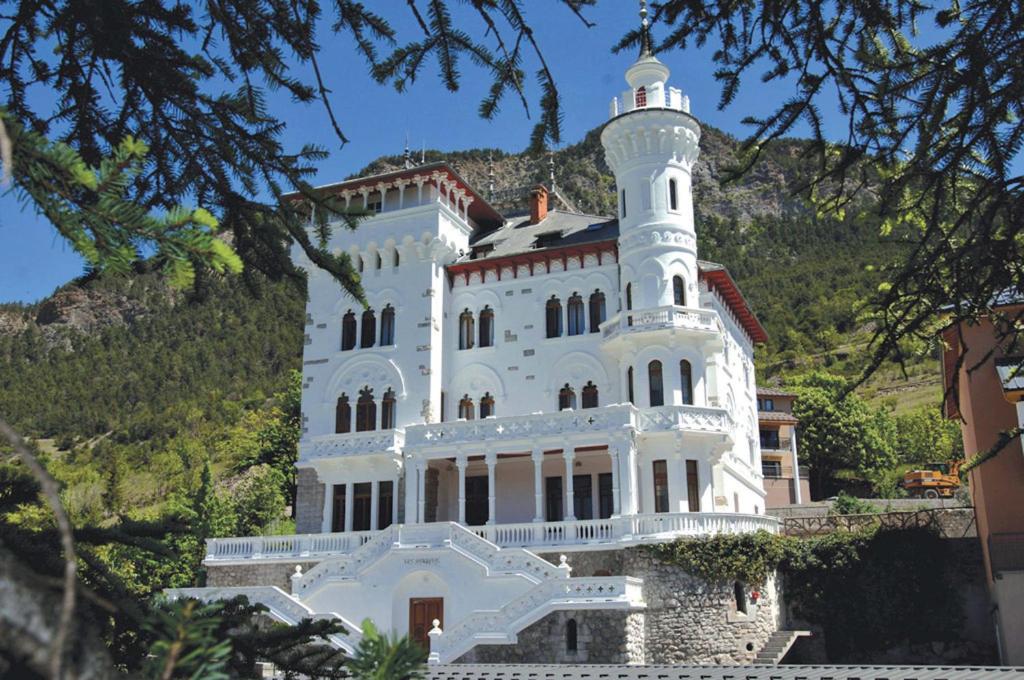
[551, 168]
[645, 32]
[490, 175]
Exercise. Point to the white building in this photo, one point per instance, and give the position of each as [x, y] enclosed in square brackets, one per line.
[554, 382]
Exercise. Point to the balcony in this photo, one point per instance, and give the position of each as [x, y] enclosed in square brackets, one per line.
[541, 536]
[351, 444]
[782, 444]
[700, 323]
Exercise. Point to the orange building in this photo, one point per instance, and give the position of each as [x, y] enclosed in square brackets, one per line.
[991, 403]
[784, 482]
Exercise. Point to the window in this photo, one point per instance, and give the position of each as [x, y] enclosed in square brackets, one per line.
[686, 381]
[378, 260]
[477, 509]
[678, 291]
[387, 326]
[385, 498]
[398, 258]
[660, 486]
[770, 439]
[589, 395]
[387, 410]
[577, 320]
[466, 329]
[656, 391]
[362, 494]
[374, 206]
[605, 497]
[369, 329]
[771, 468]
[553, 506]
[692, 486]
[740, 596]
[487, 327]
[553, 311]
[348, 331]
[338, 508]
[486, 405]
[359, 263]
[343, 416]
[673, 201]
[629, 385]
[641, 97]
[622, 204]
[366, 411]
[570, 636]
[444, 402]
[598, 312]
[629, 296]
[466, 407]
[566, 398]
[582, 496]
[768, 405]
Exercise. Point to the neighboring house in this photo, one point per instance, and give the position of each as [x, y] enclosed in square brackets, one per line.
[785, 483]
[517, 388]
[991, 402]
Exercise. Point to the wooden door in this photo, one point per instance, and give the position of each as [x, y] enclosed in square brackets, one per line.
[422, 612]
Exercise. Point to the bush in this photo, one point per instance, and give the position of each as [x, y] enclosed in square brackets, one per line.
[845, 504]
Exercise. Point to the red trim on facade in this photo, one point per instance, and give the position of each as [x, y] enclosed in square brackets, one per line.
[563, 253]
[719, 279]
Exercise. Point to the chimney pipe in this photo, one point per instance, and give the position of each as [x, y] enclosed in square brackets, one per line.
[538, 204]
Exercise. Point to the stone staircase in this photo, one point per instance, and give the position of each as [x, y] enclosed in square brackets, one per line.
[777, 645]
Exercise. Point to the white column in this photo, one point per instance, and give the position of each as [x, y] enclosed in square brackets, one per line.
[538, 484]
[676, 483]
[374, 504]
[613, 452]
[630, 479]
[421, 491]
[461, 462]
[394, 499]
[492, 461]
[349, 493]
[569, 454]
[328, 515]
[796, 465]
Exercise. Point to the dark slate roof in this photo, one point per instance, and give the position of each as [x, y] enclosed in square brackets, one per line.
[776, 417]
[518, 236]
[773, 392]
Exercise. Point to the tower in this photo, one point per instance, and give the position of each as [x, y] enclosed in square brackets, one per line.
[651, 145]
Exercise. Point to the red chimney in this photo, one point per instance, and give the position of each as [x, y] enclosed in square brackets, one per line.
[538, 204]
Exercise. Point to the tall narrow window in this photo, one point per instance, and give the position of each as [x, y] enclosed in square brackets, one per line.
[629, 385]
[348, 330]
[486, 405]
[369, 330]
[641, 97]
[362, 502]
[487, 327]
[387, 410]
[338, 508]
[656, 390]
[692, 486]
[342, 416]
[686, 381]
[466, 329]
[387, 326]
[740, 596]
[678, 291]
[622, 204]
[553, 310]
[629, 296]
[660, 486]
[673, 201]
[359, 263]
[589, 395]
[577, 320]
[571, 641]
[566, 398]
[366, 411]
[397, 258]
[385, 498]
[597, 311]
[377, 258]
[466, 407]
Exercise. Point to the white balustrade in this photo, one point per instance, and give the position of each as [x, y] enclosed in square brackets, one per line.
[351, 444]
[657, 318]
[284, 547]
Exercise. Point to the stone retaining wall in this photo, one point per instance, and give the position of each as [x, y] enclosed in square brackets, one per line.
[273, 574]
[309, 502]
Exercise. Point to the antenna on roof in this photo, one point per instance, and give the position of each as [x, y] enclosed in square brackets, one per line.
[490, 175]
[407, 155]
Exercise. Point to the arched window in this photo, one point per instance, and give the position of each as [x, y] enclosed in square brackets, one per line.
[553, 311]
[486, 405]
[622, 204]
[571, 636]
[656, 391]
[686, 381]
[629, 385]
[379, 261]
[366, 411]
[387, 410]
[348, 330]
[577, 320]
[739, 594]
[368, 333]
[673, 202]
[359, 263]
[678, 291]
[398, 258]
[598, 312]
[466, 407]
[466, 329]
[487, 327]
[387, 326]
[342, 416]
[566, 398]
[589, 395]
[641, 97]
[629, 296]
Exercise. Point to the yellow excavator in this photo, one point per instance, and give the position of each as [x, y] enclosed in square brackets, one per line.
[934, 480]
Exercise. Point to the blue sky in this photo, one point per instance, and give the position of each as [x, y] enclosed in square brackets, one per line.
[34, 260]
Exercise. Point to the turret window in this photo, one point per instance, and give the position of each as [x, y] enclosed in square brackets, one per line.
[641, 97]
[466, 407]
[486, 405]
[597, 310]
[342, 416]
[553, 320]
[387, 326]
[673, 201]
[348, 331]
[656, 390]
[387, 411]
[566, 398]
[577, 320]
[622, 204]
[629, 385]
[686, 381]
[487, 327]
[366, 411]
[678, 291]
[369, 329]
[629, 296]
[589, 395]
[466, 329]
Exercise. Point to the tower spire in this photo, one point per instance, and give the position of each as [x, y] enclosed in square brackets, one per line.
[645, 32]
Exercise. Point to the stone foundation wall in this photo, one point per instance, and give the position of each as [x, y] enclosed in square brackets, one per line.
[309, 502]
[604, 637]
[274, 574]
